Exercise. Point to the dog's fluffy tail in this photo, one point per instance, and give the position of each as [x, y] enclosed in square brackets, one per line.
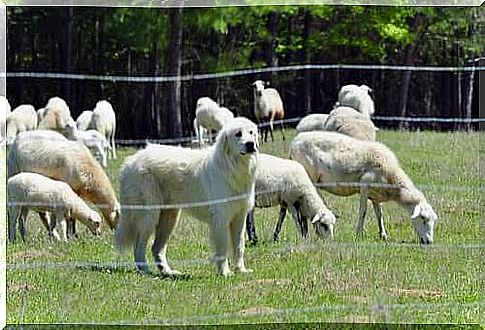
[125, 234]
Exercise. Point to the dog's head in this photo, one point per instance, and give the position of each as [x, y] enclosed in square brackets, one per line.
[239, 137]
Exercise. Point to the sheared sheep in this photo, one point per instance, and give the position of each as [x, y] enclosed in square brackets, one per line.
[357, 97]
[209, 116]
[67, 161]
[31, 191]
[83, 120]
[21, 119]
[313, 122]
[338, 162]
[104, 121]
[285, 183]
[351, 122]
[268, 106]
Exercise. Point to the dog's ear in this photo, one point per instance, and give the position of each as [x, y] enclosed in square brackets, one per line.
[223, 140]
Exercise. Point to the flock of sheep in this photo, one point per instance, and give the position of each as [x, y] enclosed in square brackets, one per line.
[54, 174]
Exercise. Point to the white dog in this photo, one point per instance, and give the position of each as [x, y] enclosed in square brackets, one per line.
[219, 179]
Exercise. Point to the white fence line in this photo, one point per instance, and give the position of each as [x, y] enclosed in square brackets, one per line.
[202, 76]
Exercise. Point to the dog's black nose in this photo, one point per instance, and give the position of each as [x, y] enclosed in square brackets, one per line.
[250, 147]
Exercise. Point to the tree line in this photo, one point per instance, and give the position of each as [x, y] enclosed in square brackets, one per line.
[188, 41]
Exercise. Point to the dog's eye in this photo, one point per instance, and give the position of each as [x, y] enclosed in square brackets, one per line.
[239, 134]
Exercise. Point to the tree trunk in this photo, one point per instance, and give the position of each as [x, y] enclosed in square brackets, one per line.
[66, 86]
[271, 58]
[173, 68]
[307, 95]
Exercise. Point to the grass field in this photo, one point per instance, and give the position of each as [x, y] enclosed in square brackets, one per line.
[347, 280]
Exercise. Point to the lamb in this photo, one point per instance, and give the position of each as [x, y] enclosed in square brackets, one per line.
[67, 161]
[56, 114]
[209, 116]
[21, 119]
[4, 112]
[268, 106]
[357, 97]
[313, 122]
[32, 191]
[284, 182]
[351, 122]
[94, 140]
[84, 120]
[337, 161]
[104, 121]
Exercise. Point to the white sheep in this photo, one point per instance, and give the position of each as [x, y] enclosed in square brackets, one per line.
[357, 97]
[55, 115]
[32, 191]
[4, 112]
[94, 140]
[83, 120]
[351, 122]
[268, 106]
[209, 116]
[40, 115]
[312, 122]
[67, 161]
[104, 121]
[285, 183]
[347, 166]
[21, 119]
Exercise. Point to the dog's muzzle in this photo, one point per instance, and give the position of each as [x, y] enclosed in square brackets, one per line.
[250, 147]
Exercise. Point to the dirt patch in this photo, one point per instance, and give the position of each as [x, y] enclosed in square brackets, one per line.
[356, 319]
[32, 255]
[256, 310]
[359, 299]
[415, 293]
[263, 282]
[15, 287]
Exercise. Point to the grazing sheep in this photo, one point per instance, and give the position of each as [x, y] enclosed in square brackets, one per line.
[21, 119]
[357, 97]
[222, 175]
[351, 122]
[67, 161]
[209, 116]
[104, 121]
[84, 120]
[94, 140]
[32, 191]
[284, 182]
[40, 115]
[55, 115]
[313, 122]
[330, 158]
[4, 112]
[268, 106]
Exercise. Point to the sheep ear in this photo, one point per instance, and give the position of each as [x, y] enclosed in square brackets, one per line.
[315, 219]
[267, 83]
[416, 212]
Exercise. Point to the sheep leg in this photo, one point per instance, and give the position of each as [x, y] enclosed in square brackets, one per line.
[62, 222]
[102, 154]
[282, 129]
[271, 128]
[250, 228]
[362, 210]
[71, 228]
[237, 238]
[50, 221]
[113, 144]
[13, 215]
[281, 219]
[219, 234]
[380, 220]
[24, 214]
[295, 212]
[166, 224]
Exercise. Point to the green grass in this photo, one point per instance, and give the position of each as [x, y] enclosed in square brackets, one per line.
[347, 280]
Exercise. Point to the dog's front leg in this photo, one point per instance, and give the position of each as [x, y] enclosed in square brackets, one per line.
[237, 236]
[220, 238]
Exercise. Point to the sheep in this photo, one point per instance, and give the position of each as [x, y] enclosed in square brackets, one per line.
[339, 161]
[357, 97]
[313, 122]
[84, 120]
[23, 118]
[55, 115]
[268, 106]
[67, 161]
[351, 122]
[209, 116]
[4, 112]
[104, 121]
[284, 182]
[94, 140]
[40, 114]
[32, 191]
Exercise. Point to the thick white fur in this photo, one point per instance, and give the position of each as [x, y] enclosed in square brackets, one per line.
[285, 182]
[21, 119]
[330, 157]
[351, 122]
[4, 112]
[83, 120]
[209, 116]
[357, 97]
[31, 191]
[268, 106]
[172, 175]
[49, 154]
[312, 122]
[94, 140]
[104, 121]
[55, 115]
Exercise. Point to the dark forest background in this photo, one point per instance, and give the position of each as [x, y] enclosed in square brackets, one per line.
[187, 41]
